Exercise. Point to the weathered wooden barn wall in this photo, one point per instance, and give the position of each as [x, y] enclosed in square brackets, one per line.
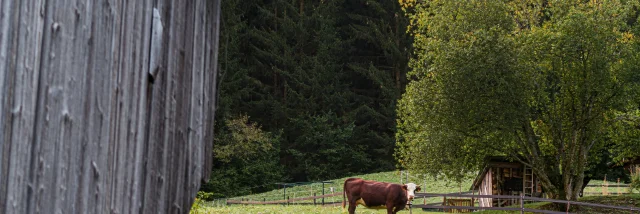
[98, 114]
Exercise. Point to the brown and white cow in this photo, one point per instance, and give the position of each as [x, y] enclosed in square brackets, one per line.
[377, 195]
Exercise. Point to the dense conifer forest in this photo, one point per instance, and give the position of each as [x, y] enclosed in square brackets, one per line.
[307, 91]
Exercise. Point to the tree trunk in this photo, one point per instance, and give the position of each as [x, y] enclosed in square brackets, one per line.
[570, 178]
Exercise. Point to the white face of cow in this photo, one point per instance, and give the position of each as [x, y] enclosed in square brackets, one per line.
[411, 189]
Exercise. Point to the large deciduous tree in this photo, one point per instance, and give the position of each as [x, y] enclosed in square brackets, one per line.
[538, 81]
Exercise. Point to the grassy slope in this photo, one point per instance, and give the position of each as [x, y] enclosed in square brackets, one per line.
[432, 186]
[428, 184]
[610, 190]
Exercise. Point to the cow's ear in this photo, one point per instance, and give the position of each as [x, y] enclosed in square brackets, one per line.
[417, 188]
[404, 187]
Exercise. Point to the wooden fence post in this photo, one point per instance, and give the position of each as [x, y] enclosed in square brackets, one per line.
[314, 198]
[424, 180]
[473, 199]
[568, 205]
[444, 203]
[618, 187]
[322, 193]
[605, 189]
[521, 203]
[287, 200]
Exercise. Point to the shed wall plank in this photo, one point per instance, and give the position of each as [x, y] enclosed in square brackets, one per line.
[82, 121]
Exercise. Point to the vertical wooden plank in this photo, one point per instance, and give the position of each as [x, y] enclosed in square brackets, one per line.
[195, 152]
[88, 144]
[211, 77]
[5, 128]
[142, 71]
[155, 167]
[180, 75]
[114, 176]
[5, 23]
[101, 67]
[60, 95]
[70, 21]
[124, 145]
[25, 52]
[79, 87]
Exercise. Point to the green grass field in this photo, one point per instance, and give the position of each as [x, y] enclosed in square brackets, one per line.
[428, 184]
[292, 209]
[610, 190]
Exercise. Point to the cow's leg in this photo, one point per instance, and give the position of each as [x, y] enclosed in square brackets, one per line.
[352, 205]
[397, 209]
[390, 207]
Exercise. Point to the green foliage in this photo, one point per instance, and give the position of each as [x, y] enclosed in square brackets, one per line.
[197, 207]
[206, 196]
[635, 182]
[245, 159]
[244, 141]
[538, 82]
[625, 135]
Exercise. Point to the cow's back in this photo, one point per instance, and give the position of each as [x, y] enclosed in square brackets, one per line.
[353, 186]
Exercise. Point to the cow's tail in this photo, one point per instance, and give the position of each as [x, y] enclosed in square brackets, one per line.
[344, 194]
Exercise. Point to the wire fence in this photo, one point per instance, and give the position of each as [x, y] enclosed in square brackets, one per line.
[289, 193]
[282, 191]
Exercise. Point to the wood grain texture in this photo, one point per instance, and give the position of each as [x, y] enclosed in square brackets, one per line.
[85, 128]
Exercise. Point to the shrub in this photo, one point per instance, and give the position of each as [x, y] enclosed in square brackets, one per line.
[635, 181]
[206, 196]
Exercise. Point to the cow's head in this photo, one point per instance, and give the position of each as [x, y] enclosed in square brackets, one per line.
[411, 188]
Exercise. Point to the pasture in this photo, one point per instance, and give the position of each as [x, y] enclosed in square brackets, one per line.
[291, 209]
[428, 184]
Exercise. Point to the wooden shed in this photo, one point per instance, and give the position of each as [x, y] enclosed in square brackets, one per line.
[632, 165]
[106, 106]
[503, 177]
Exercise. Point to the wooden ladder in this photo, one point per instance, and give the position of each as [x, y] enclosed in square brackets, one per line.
[528, 186]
